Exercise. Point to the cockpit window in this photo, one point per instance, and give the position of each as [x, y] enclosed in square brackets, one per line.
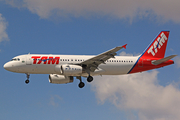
[15, 59]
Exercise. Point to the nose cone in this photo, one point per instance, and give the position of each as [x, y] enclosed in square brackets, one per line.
[7, 66]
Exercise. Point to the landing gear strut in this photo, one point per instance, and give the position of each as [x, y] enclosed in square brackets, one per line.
[89, 78]
[81, 84]
[27, 75]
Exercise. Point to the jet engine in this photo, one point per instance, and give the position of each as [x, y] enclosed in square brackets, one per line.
[69, 70]
[60, 79]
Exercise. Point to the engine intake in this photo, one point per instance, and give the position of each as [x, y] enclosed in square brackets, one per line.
[60, 79]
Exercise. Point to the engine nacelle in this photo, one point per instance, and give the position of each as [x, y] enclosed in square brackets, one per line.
[71, 70]
[60, 79]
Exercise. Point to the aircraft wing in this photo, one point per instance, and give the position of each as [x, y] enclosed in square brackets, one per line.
[94, 62]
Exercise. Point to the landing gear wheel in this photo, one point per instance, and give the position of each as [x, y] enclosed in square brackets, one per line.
[27, 75]
[90, 79]
[27, 81]
[81, 85]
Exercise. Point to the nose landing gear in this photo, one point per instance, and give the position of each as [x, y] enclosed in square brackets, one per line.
[27, 75]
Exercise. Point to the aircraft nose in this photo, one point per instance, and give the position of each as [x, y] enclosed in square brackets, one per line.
[7, 66]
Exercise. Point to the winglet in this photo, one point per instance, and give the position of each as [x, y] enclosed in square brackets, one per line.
[124, 46]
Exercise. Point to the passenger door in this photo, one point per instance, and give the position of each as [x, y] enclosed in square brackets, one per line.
[28, 60]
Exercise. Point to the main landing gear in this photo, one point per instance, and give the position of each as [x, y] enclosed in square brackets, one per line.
[89, 78]
[27, 75]
[81, 84]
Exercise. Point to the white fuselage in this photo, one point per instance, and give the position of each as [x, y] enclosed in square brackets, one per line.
[26, 64]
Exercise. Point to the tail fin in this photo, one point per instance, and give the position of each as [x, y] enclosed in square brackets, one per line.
[158, 47]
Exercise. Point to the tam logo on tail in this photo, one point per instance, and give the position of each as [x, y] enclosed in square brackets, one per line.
[157, 44]
[153, 56]
[158, 47]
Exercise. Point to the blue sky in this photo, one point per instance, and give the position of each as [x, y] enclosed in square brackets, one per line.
[88, 28]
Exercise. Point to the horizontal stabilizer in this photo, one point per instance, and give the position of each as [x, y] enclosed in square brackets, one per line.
[157, 62]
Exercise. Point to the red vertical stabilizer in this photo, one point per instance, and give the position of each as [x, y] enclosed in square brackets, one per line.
[157, 48]
[154, 52]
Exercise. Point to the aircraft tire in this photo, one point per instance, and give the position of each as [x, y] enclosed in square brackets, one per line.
[27, 81]
[81, 85]
[90, 79]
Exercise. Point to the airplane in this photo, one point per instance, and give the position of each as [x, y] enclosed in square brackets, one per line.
[63, 68]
